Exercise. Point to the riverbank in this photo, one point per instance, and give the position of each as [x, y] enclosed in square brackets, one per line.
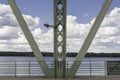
[50, 54]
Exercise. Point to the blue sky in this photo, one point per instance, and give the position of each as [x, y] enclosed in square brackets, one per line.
[44, 8]
[80, 16]
[85, 10]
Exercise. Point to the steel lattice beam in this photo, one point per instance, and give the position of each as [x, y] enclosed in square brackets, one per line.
[60, 37]
[89, 38]
[30, 38]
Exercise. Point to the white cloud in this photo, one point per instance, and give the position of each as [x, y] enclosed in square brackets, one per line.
[108, 34]
[31, 21]
[107, 31]
[107, 38]
[4, 9]
[7, 33]
[76, 29]
[8, 19]
[12, 38]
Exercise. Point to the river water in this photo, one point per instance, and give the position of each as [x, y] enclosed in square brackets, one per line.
[28, 66]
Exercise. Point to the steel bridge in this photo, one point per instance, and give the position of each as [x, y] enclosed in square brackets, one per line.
[59, 26]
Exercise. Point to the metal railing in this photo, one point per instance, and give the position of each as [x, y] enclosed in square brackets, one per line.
[92, 68]
[32, 68]
[19, 68]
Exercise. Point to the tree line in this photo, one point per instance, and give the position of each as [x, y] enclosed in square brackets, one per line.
[69, 54]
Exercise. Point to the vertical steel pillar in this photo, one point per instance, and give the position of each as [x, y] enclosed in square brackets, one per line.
[60, 37]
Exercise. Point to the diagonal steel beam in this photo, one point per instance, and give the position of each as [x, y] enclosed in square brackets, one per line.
[29, 38]
[89, 38]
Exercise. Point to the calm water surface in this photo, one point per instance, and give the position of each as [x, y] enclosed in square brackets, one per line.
[26, 66]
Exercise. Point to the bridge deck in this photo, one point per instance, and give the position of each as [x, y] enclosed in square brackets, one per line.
[82, 78]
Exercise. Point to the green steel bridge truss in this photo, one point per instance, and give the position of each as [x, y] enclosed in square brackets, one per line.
[59, 26]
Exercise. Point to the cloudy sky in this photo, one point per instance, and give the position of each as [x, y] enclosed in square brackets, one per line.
[80, 17]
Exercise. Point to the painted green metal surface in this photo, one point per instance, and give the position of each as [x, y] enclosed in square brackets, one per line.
[30, 39]
[89, 38]
[60, 37]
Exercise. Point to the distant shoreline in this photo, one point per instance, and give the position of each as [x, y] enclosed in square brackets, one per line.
[49, 54]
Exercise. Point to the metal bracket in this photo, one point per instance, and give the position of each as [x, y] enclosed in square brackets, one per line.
[47, 25]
